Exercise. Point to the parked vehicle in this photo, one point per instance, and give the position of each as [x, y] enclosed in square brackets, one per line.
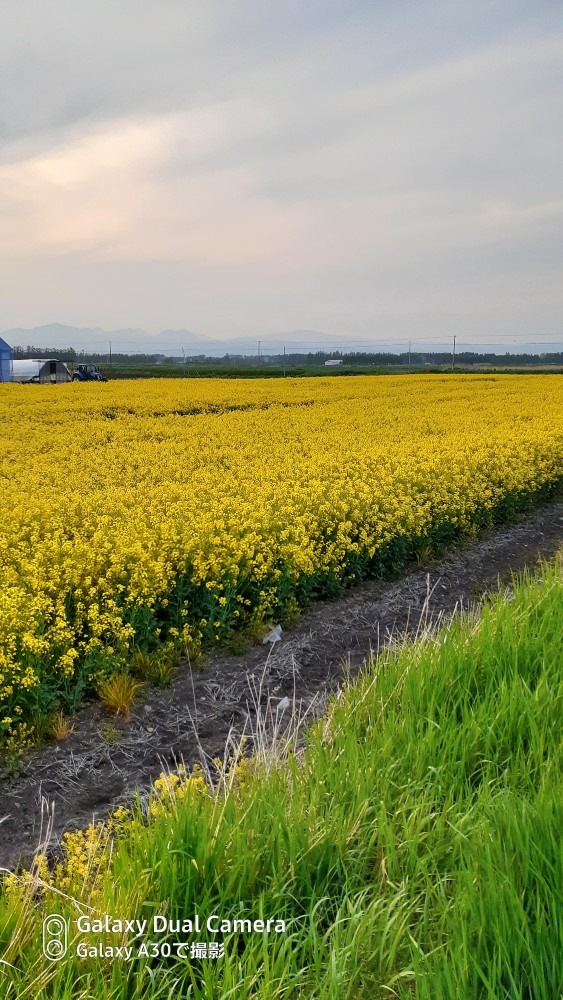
[88, 373]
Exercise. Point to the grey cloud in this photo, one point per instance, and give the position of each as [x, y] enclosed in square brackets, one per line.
[488, 121]
[62, 63]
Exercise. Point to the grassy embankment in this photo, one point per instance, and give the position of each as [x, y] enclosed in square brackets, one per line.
[414, 847]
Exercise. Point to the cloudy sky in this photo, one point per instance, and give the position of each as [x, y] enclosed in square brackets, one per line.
[376, 169]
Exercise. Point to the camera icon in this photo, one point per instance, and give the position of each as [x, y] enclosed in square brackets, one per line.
[55, 937]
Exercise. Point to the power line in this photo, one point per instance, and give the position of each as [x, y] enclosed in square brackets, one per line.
[347, 345]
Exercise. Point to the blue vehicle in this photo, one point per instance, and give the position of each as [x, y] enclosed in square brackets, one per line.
[88, 373]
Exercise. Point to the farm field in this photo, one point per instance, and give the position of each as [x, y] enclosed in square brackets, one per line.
[167, 515]
[197, 371]
[411, 848]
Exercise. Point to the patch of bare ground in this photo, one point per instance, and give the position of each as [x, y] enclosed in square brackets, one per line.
[106, 761]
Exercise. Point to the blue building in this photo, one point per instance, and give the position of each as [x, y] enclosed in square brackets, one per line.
[6, 355]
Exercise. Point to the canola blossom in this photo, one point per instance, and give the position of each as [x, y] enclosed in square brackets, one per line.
[176, 511]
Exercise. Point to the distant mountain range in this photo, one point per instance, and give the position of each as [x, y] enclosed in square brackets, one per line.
[167, 341]
[176, 342]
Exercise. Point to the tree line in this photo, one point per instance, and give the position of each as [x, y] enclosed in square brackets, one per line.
[293, 359]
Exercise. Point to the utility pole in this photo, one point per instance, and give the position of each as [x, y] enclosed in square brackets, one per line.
[453, 355]
[258, 352]
[110, 353]
[184, 357]
[409, 355]
[284, 361]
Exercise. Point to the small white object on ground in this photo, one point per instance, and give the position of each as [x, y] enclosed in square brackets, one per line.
[282, 705]
[273, 636]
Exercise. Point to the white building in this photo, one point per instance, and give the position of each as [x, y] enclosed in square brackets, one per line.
[44, 370]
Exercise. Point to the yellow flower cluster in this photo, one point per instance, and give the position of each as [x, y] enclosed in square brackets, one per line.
[175, 786]
[85, 853]
[29, 882]
[135, 508]
[84, 861]
[84, 857]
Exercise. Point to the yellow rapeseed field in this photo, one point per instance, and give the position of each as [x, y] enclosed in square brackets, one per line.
[173, 511]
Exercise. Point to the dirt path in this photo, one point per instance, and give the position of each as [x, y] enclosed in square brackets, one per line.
[105, 761]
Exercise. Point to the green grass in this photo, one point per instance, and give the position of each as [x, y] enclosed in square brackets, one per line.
[413, 847]
[246, 370]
